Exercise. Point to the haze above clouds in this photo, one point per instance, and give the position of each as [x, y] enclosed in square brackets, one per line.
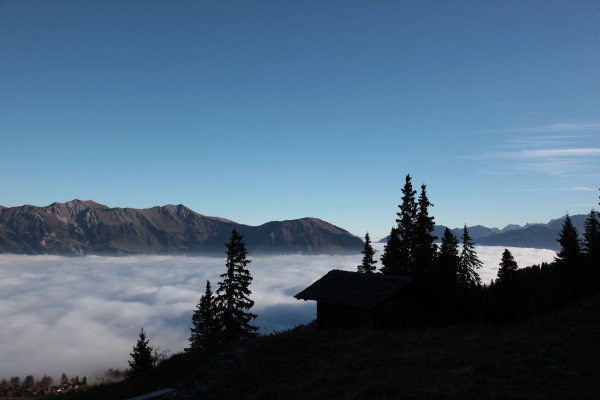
[82, 316]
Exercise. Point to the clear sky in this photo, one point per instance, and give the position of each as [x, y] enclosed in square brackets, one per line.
[271, 110]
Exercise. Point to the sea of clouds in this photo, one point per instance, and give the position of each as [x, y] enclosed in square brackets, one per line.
[82, 315]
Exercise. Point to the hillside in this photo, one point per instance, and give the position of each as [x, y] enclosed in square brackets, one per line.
[85, 227]
[549, 357]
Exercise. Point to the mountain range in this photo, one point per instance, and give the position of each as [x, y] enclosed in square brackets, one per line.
[86, 227]
[540, 236]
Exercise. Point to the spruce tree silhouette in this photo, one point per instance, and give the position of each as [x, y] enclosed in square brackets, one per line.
[368, 263]
[468, 278]
[424, 247]
[508, 268]
[570, 248]
[407, 224]
[141, 359]
[390, 259]
[233, 301]
[206, 328]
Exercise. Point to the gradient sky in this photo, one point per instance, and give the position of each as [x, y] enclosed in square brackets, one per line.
[271, 110]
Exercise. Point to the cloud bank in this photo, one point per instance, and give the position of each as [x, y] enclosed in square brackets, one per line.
[82, 316]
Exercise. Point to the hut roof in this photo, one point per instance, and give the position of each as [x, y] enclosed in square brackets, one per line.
[353, 288]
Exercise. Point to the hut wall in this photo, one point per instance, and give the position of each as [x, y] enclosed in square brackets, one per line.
[339, 316]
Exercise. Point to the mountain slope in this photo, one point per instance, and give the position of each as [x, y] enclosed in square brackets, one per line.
[85, 227]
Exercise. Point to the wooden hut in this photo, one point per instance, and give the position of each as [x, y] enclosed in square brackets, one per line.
[353, 300]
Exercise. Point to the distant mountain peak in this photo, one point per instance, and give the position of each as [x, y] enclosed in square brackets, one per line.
[80, 227]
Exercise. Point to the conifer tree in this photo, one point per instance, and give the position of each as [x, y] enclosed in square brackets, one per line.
[570, 251]
[368, 263]
[468, 278]
[141, 358]
[29, 381]
[449, 260]
[406, 221]
[508, 268]
[390, 259]
[424, 247]
[46, 382]
[206, 328]
[591, 244]
[233, 295]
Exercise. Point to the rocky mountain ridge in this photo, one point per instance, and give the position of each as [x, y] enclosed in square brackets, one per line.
[85, 227]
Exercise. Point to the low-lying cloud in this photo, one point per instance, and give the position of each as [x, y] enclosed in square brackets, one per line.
[82, 315]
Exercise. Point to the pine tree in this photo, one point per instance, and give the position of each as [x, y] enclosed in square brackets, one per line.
[449, 260]
[390, 259]
[570, 252]
[407, 219]
[591, 244]
[64, 379]
[141, 358]
[206, 329]
[232, 301]
[508, 268]
[46, 382]
[468, 278]
[368, 263]
[29, 381]
[424, 247]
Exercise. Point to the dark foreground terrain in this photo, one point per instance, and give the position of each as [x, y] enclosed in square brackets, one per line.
[555, 356]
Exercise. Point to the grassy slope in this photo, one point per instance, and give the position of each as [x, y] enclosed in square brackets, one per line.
[550, 357]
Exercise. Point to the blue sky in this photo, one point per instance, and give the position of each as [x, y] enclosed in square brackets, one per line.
[270, 110]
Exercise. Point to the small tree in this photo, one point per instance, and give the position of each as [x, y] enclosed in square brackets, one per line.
[64, 379]
[233, 301]
[570, 252]
[508, 268]
[368, 263]
[142, 356]
[206, 328]
[468, 278]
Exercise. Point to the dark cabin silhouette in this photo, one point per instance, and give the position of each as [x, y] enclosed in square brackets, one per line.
[354, 300]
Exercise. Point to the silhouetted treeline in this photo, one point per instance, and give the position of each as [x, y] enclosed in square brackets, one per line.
[574, 274]
[450, 287]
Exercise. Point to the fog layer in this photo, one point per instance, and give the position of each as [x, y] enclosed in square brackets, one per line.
[82, 316]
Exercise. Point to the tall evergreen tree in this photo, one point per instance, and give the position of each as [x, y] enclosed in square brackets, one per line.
[206, 328]
[390, 259]
[591, 244]
[233, 296]
[424, 247]
[141, 358]
[368, 263]
[508, 268]
[449, 260]
[468, 278]
[570, 251]
[407, 221]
